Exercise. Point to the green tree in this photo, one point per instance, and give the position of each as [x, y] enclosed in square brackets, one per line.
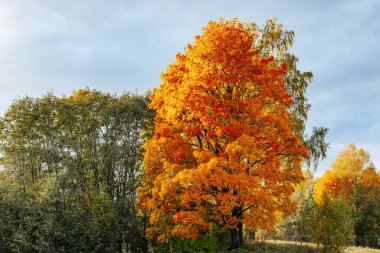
[74, 163]
[331, 224]
[273, 40]
[367, 209]
[294, 227]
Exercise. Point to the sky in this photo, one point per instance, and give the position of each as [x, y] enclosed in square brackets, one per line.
[117, 46]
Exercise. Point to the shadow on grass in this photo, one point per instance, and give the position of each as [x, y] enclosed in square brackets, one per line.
[265, 247]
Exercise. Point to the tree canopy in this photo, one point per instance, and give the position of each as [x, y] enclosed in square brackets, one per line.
[70, 169]
[227, 147]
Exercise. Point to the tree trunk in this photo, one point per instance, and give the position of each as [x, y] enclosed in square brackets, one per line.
[240, 227]
[236, 237]
[235, 242]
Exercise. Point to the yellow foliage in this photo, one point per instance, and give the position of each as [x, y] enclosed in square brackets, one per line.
[221, 139]
[351, 169]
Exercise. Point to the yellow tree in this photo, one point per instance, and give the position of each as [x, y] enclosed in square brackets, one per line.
[223, 150]
[345, 174]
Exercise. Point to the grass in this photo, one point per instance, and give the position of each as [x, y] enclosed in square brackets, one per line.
[274, 247]
[291, 247]
[362, 250]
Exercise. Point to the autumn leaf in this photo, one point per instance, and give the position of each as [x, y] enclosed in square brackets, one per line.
[223, 150]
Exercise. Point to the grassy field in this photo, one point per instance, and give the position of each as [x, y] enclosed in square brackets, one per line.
[291, 247]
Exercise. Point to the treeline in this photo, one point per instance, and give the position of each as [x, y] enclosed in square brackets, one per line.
[70, 167]
[340, 209]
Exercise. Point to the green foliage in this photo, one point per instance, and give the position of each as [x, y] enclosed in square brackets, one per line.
[25, 225]
[70, 169]
[272, 39]
[205, 243]
[367, 216]
[331, 224]
[294, 227]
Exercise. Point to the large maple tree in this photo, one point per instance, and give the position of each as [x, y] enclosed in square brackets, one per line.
[223, 150]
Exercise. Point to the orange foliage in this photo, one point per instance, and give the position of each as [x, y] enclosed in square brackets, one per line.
[223, 151]
[333, 186]
[351, 169]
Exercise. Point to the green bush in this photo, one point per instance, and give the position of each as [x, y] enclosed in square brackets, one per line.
[331, 224]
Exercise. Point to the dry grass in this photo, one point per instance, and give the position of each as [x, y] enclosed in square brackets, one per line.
[310, 245]
[291, 247]
[362, 250]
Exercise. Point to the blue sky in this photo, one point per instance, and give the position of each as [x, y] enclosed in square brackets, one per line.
[118, 46]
